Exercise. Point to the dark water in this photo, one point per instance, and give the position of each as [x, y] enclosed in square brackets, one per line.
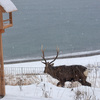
[72, 25]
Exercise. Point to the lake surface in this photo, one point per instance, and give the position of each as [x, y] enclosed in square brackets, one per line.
[72, 25]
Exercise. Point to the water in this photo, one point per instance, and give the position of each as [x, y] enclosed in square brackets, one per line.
[72, 25]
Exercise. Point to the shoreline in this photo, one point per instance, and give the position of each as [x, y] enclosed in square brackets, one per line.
[67, 56]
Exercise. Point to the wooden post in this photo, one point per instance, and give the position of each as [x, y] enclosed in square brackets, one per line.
[2, 80]
[1, 20]
[10, 17]
[3, 25]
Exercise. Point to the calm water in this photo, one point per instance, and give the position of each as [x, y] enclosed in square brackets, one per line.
[72, 25]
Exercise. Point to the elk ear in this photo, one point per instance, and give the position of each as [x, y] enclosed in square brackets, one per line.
[52, 64]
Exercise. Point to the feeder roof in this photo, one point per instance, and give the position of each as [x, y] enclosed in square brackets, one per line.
[8, 5]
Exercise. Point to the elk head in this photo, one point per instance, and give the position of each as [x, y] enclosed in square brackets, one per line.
[49, 65]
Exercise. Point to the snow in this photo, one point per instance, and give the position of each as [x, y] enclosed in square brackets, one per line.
[8, 5]
[33, 92]
[47, 91]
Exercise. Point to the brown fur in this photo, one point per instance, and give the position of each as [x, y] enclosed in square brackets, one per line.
[67, 73]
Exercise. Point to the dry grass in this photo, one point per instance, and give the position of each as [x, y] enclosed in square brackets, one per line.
[22, 79]
[80, 93]
[27, 79]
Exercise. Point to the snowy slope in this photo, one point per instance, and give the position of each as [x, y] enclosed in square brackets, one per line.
[47, 91]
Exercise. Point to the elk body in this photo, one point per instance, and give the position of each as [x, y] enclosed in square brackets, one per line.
[65, 73]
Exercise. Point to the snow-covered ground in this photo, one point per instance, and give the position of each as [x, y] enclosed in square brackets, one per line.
[47, 91]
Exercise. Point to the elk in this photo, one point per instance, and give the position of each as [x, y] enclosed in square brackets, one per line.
[65, 73]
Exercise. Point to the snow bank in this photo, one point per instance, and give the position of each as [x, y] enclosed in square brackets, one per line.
[47, 91]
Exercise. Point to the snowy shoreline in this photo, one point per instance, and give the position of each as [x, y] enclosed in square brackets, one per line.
[92, 60]
[63, 56]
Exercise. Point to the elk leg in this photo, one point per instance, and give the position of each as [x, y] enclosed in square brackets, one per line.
[85, 83]
[60, 84]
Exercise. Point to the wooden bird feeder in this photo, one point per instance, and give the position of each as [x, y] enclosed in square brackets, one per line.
[7, 22]
[6, 6]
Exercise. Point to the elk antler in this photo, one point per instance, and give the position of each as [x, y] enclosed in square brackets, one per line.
[57, 49]
[43, 55]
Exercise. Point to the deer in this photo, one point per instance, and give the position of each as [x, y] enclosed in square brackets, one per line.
[64, 73]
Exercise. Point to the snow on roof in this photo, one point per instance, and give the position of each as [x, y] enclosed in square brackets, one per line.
[8, 5]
